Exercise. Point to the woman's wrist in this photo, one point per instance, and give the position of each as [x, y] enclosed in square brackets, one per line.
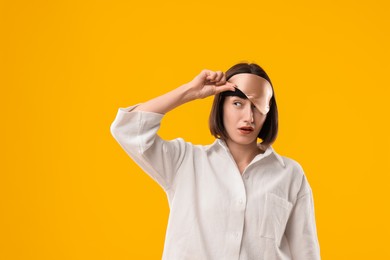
[188, 93]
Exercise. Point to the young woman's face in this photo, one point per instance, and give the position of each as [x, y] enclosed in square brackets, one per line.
[242, 120]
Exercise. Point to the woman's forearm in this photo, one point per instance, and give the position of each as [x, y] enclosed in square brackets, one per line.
[166, 102]
[205, 84]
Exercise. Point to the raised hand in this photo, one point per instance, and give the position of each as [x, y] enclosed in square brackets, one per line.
[209, 82]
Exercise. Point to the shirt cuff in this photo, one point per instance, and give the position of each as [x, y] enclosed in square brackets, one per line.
[142, 120]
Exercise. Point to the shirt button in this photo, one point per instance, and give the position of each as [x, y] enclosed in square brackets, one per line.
[246, 176]
[235, 234]
[241, 201]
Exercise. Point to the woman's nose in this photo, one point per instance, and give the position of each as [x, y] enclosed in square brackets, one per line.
[249, 114]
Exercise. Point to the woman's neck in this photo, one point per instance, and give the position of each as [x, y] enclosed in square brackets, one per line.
[243, 154]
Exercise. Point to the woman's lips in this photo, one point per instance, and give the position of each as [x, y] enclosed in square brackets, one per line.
[245, 130]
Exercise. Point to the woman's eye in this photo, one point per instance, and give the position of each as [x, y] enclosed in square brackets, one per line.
[237, 104]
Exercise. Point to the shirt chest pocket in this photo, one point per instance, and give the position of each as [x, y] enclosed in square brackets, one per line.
[275, 216]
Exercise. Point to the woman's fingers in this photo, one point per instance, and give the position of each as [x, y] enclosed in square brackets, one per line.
[225, 87]
[210, 82]
[220, 79]
[211, 76]
[216, 77]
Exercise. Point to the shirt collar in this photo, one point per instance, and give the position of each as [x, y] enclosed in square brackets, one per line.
[270, 150]
[280, 158]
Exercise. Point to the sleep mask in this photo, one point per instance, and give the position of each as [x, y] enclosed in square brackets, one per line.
[257, 89]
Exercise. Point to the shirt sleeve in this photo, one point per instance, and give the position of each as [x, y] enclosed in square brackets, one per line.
[301, 231]
[136, 133]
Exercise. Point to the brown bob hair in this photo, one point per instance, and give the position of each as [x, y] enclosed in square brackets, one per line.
[269, 131]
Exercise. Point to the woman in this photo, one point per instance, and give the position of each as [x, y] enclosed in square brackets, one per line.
[235, 198]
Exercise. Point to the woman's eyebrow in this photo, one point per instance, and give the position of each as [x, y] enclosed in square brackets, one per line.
[233, 97]
[240, 97]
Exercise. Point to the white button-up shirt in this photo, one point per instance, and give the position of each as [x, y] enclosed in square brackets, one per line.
[215, 212]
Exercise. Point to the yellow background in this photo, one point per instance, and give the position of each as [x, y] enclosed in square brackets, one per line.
[67, 189]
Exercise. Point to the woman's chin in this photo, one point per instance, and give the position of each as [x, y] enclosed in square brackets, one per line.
[245, 141]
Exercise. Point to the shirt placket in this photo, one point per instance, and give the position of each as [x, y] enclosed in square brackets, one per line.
[239, 204]
[237, 214]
